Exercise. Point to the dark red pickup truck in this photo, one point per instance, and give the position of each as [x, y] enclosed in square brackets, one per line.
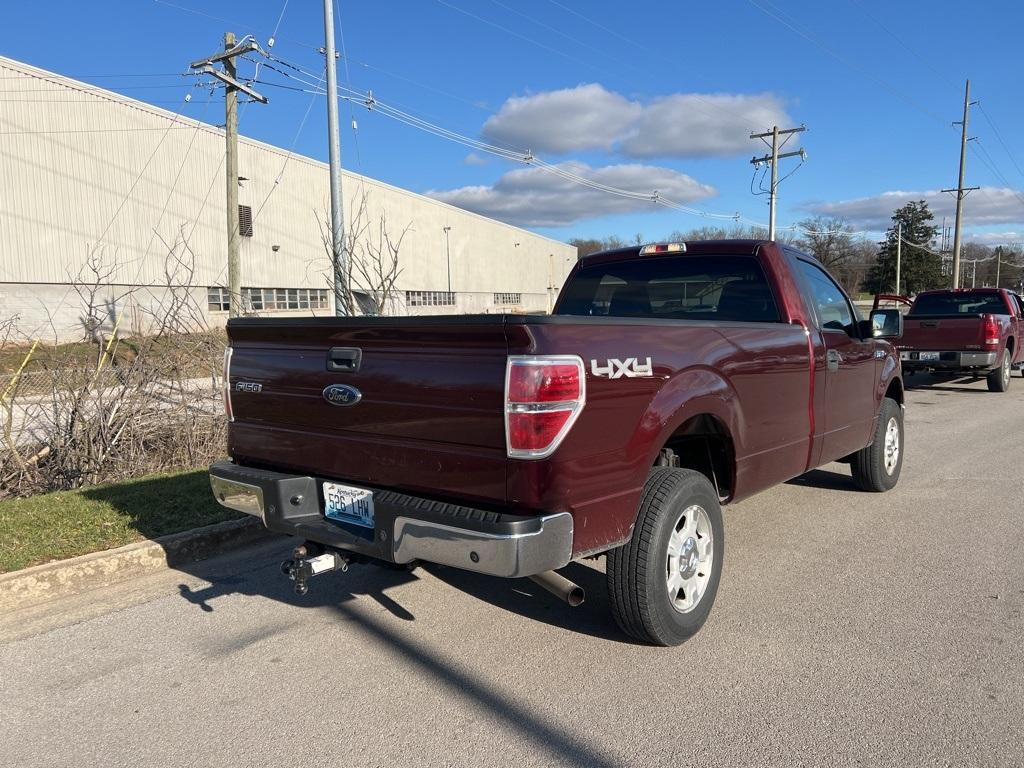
[668, 380]
[967, 330]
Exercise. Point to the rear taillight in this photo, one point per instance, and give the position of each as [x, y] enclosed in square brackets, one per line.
[226, 376]
[543, 397]
[990, 326]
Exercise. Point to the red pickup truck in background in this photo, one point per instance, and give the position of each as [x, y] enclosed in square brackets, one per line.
[669, 379]
[966, 330]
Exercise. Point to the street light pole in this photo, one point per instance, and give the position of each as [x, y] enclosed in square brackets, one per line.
[338, 257]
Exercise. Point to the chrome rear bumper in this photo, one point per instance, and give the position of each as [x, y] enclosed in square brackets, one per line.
[949, 360]
[406, 528]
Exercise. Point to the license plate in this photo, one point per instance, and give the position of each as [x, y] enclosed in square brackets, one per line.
[348, 504]
[929, 356]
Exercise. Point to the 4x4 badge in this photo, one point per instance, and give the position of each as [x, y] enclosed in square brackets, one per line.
[616, 369]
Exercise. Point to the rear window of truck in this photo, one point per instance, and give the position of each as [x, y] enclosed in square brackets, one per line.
[962, 303]
[729, 288]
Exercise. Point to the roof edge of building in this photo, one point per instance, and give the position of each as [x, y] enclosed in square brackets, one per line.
[89, 89]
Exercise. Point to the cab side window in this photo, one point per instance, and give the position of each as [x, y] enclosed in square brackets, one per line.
[834, 311]
[1020, 304]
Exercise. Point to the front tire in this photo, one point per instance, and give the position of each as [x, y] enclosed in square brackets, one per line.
[877, 467]
[999, 379]
[663, 582]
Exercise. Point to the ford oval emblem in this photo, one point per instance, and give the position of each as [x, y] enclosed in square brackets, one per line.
[342, 394]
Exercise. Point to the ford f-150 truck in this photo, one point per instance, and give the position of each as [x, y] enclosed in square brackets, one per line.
[669, 379]
[966, 330]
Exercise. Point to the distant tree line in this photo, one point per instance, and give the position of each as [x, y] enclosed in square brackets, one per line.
[863, 266]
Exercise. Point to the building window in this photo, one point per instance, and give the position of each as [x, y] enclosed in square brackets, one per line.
[508, 298]
[430, 298]
[218, 299]
[245, 220]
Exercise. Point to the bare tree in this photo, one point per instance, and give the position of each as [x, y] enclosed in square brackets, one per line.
[139, 405]
[372, 269]
[831, 240]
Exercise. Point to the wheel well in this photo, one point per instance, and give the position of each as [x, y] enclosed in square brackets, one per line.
[703, 443]
[895, 391]
[1009, 345]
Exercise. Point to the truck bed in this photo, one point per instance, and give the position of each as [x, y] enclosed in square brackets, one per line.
[431, 418]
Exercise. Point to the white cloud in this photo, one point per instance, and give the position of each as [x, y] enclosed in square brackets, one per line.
[988, 205]
[533, 197]
[474, 159]
[568, 120]
[694, 125]
[995, 238]
[590, 117]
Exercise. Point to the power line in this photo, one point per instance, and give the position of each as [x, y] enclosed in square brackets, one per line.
[92, 130]
[614, 75]
[904, 44]
[779, 16]
[999, 136]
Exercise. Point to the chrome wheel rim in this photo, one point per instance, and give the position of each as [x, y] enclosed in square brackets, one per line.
[892, 445]
[690, 557]
[1006, 369]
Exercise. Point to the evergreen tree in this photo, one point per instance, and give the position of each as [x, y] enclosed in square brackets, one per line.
[920, 267]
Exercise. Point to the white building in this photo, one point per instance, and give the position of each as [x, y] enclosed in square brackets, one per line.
[100, 189]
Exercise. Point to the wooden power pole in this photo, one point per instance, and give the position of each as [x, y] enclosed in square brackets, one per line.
[961, 190]
[232, 86]
[773, 159]
[231, 174]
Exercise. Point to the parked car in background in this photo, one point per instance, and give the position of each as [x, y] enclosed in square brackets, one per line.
[967, 330]
[669, 379]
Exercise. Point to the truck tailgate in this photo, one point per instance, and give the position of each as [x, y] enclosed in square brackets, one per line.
[431, 412]
[942, 332]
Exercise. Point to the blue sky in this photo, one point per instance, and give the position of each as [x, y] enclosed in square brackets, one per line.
[642, 95]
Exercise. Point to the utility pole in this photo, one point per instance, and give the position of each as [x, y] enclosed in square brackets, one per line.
[340, 264]
[999, 262]
[961, 191]
[231, 88]
[448, 254]
[899, 253]
[231, 174]
[774, 158]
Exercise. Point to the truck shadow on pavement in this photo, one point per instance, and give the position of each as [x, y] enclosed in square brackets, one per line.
[827, 480]
[258, 575]
[520, 596]
[942, 383]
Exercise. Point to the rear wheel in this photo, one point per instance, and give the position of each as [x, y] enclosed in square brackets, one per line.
[663, 582]
[999, 379]
[877, 467]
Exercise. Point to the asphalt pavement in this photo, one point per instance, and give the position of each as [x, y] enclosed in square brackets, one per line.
[850, 629]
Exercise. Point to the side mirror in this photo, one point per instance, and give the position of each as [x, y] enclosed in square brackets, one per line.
[886, 324]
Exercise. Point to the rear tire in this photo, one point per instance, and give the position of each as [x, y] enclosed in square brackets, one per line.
[877, 467]
[662, 583]
[999, 379]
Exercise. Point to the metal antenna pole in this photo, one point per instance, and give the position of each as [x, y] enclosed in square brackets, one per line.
[340, 260]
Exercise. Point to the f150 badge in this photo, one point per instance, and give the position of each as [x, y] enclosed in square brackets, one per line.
[616, 369]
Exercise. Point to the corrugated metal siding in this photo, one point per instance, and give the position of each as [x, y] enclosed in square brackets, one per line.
[85, 171]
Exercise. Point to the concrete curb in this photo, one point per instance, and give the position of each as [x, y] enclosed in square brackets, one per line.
[42, 583]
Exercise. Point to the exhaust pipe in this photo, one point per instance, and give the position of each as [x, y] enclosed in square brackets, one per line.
[560, 587]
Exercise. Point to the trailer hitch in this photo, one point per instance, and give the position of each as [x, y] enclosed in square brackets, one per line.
[309, 560]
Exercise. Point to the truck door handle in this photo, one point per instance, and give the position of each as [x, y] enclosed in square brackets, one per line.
[833, 359]
[344, 359]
